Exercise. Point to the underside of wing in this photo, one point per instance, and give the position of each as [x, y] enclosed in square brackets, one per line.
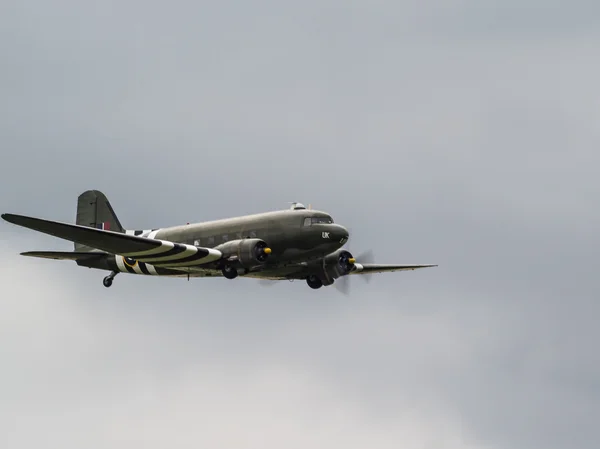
[156, 252]
[65, 255]
[369, 268]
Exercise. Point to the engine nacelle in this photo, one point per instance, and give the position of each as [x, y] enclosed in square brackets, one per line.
[336, 265]
[247, 252]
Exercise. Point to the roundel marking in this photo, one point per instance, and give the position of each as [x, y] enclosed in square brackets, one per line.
[129, 261]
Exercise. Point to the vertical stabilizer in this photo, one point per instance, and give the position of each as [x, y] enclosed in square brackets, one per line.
[94, 210]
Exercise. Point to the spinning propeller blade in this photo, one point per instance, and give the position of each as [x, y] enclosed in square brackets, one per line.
[343, 283]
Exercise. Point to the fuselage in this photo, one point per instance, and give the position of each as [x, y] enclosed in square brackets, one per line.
[293, 235]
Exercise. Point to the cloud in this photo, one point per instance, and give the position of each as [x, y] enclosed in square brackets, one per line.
[77, 369]
[459, 133]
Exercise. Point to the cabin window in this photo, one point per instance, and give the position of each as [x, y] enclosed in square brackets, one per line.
[196, 242]
[225, 237]
[317, 220]
[252, 234]
[211, 240]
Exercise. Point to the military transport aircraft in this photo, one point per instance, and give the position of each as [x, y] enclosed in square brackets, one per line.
[295, 243]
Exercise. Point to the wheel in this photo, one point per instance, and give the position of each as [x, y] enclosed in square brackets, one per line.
[229, 272]
[107, 281]
[314, 282]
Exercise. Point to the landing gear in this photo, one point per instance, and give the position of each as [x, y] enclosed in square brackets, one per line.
[314, 282]
[229, 272]
[108, 280]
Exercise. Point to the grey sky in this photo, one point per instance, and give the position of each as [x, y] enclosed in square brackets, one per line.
[462, 133]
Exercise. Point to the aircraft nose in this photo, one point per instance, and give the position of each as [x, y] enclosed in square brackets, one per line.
[344, 232]
[339, 233]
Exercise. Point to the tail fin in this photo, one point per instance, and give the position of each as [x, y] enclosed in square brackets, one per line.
[94, 210]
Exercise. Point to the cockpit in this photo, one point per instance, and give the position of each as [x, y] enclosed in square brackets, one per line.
[326, 219]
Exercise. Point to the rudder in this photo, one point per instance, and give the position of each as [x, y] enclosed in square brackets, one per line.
[94, 211]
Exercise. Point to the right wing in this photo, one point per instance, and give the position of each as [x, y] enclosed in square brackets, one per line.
[156, 252]
[368, 268]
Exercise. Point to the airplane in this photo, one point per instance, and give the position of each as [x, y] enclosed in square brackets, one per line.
[292, 244]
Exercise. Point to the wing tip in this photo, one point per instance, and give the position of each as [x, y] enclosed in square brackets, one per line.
[31, 253]
[426, 266]
[12, 218]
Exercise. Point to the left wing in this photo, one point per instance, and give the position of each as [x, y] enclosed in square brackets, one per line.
[65, 255]
[160, 253]
[368, 268]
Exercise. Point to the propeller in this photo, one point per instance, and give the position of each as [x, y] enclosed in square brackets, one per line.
[364, 257]
[343, 283]
[262, 251]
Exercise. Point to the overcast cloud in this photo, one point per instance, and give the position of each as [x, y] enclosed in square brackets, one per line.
[463, 133]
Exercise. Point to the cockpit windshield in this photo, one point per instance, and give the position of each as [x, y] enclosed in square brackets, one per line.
[317, 220]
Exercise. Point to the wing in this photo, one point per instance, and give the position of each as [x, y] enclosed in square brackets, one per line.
[369, 268]
[157, 252]
[60, 255]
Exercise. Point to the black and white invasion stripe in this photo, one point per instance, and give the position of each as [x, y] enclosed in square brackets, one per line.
[135, 267]
[170, 254]
[139, 232]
